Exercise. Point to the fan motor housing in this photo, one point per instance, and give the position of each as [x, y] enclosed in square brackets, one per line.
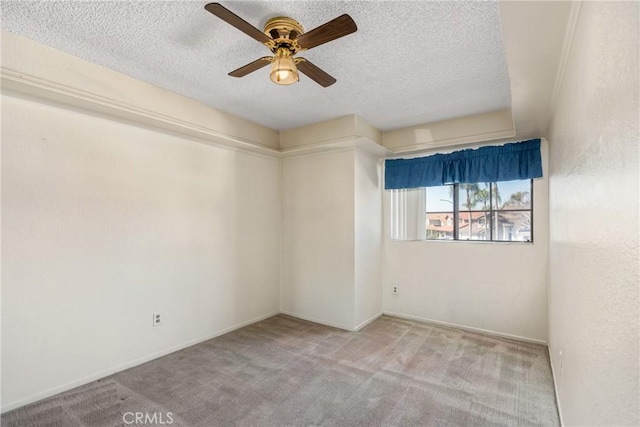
[283, 30]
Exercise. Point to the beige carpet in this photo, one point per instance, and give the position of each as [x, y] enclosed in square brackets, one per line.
[288, 372]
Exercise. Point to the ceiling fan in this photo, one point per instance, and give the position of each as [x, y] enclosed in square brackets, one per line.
[285, 37]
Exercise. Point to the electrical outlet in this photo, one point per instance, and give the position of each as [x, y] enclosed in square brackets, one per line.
[395, 290]
[157, 320]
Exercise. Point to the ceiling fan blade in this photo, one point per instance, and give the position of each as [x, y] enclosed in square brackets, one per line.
[334, 29]
[315, 73]
[251, 67]
[231, 18]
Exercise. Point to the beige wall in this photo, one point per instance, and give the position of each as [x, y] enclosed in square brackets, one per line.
[104, 224]
[594, 279]
[368, 237]
[318, 264]
[331, 237]
[494, 287]
[332, 222]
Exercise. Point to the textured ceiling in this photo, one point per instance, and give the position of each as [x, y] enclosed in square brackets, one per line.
[409, 62]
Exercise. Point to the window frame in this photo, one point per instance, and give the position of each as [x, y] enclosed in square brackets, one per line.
[491, 211]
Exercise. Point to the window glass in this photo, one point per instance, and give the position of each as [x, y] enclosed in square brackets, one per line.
[440, 226]
[513, 226]
[473, 196]
[440, 199]
[475, 225]
[439, 208]
[496, 211]
[512, 195]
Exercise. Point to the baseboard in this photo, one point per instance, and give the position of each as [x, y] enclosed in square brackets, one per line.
[135, 362]
[314, 320]
[126, 365]
[555, 387]
[467, 328]
[366, 322]
[333, 325]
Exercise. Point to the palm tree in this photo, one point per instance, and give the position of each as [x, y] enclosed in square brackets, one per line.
[470, 190]
[495, 195]
[519, 199]
[486, 196]
[483, 195]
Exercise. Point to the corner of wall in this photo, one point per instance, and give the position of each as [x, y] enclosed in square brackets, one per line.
[574, 14]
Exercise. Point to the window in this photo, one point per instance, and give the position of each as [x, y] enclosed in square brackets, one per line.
[491, 198]
[496, 211]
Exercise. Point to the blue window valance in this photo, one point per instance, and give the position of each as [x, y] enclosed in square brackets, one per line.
[518, 160]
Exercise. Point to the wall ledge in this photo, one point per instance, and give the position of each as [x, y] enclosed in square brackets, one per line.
[451, 132]
[348, 142]
[34, 71]
[15, 82]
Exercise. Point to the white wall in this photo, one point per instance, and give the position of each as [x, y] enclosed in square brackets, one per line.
[495, 287]
[103, 224]
[318, 237]
[594, 279]
[331, 237]
[368, 237]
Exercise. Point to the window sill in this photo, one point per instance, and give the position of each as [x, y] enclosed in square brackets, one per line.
[498, 242]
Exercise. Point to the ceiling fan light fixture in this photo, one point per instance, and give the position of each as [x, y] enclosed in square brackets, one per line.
[283, 68]
[285, 37]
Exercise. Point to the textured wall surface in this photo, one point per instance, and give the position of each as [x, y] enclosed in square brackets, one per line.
[593, 300]
[104, 224]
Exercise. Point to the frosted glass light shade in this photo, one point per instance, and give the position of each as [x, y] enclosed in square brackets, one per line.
[283, 70]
